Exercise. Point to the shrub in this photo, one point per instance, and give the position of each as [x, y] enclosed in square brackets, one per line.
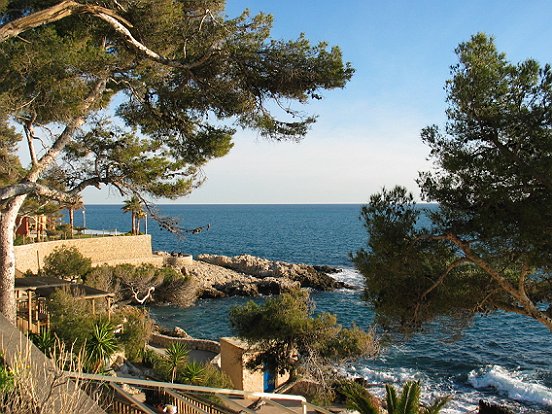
[67, 263]
[215, 378]
[137, 328]
[192, 373]
[101, 277]
[170, 274]
[70, 318]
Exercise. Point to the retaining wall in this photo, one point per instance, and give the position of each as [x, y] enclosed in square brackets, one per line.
[163, 341]
[110, 250]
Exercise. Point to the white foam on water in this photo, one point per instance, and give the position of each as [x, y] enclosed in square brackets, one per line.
[461, 403]
[351, 277]
[512, 384]
[464, 400]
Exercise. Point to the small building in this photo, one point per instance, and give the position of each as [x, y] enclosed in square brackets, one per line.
[32, 293]
[234, 356]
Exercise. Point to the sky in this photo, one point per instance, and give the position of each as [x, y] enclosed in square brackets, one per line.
[368, 134]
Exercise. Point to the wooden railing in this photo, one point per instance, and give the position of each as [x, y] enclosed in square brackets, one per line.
[187, 404]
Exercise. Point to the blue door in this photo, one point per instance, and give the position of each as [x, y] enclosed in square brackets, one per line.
[269, 379]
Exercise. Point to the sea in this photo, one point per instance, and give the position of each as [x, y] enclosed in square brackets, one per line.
[502, 358]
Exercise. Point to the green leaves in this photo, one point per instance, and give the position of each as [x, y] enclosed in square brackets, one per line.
[358, 398]
[409, 401]
[490, 240]
[101, 345]
[67, 263]
[284, 325]
[176, 355]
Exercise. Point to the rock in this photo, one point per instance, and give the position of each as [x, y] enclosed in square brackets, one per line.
[180, 333]
[489, 408]
[275, 286]
[219, 276]
[306, 275]
[326, 269]
[212, 293]
[238, 288]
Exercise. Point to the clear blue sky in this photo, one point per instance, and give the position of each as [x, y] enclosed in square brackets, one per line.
[367, 135]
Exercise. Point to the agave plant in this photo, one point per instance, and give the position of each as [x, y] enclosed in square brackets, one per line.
[175, 356]
[193, 373]
[101, 345]
[44, 340]
[408, 401]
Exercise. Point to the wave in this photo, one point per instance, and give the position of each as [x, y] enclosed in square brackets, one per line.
[351, 277]
[512, 384]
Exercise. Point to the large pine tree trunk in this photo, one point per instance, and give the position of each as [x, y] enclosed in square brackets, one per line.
[7, 257]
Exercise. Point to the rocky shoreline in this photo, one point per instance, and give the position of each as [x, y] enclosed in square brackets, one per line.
[215, 276]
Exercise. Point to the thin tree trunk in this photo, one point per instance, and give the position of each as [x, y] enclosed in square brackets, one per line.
[133, 218]
[72, 221]
[8, 217]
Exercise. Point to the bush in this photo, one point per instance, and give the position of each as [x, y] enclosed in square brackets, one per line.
[137, 328]
[70, 318]
[67, 263]
[170, 274]
[216, 378]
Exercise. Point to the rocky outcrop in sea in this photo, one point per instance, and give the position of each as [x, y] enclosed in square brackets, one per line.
[276, 271]
[212, 276]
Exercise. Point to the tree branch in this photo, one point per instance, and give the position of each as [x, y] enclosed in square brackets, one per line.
[65, 137]
[50, 15]
[435, 284]
[29, 187]
[529, 308]
[119, 24]
[30, 135]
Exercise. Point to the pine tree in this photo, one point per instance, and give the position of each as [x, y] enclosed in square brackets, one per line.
[139, 95]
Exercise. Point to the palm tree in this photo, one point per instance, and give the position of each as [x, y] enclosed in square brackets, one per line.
[408, 401]
[71, 207]
[175, 356]
[359, 399]
[134, 206]
[139, 216]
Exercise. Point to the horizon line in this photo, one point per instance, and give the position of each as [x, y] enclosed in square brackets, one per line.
[252, 204]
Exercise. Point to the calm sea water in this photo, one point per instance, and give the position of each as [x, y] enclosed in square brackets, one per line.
[504, 358]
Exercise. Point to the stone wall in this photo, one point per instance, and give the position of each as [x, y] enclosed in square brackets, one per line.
[163, 341]
[111, 250]
[234, 357]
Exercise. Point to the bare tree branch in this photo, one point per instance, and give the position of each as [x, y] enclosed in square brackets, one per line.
[28, 187]
[527, 307]
[50, 15]
[65, 137]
